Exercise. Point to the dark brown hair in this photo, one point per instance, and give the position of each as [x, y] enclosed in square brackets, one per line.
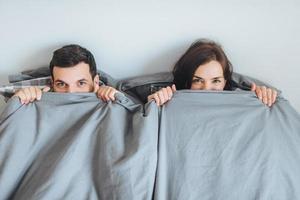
[200, 52]
[71, 55]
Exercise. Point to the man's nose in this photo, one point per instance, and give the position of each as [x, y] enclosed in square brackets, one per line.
[71, 89]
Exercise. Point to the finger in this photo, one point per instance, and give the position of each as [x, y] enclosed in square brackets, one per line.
[38, 92]
[269, 96]
[165, 93]
[21, 95]
[156, 98]
[101, 93]
[170, 92]
[106, 95]
[264, 95]
[27, 95]
[112, 94]
[33, 94]
[253, 87]
[174, 88]
[100, 96]
[161, 97]
[150, 97]
[258, 92]
[274, 96]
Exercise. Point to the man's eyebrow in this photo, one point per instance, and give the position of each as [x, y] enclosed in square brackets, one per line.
[83, 79]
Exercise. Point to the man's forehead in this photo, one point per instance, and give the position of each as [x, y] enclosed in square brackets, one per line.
[80, 66]
[79, 71]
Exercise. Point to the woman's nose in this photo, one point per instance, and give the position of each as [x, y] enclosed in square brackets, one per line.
[207, 86]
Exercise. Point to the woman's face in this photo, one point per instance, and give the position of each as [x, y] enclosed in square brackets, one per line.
[209, 76]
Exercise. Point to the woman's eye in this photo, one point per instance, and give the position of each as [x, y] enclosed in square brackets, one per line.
[60, 84]
[216, 81]
[197, 81]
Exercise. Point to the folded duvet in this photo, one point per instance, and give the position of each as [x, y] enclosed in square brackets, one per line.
[73, 146]
[228, 145]
[200, 145]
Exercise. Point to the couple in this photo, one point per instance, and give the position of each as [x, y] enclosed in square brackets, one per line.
[204, 66]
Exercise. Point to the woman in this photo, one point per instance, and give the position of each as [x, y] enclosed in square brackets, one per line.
[205, 66]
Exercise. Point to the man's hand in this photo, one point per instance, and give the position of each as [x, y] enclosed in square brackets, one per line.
[106, 93]
[163, 95]
[30, 94]
[266, 95]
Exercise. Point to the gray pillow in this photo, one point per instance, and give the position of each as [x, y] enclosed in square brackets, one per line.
[141, 87]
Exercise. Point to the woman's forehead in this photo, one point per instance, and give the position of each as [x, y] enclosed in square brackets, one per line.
[211, 69]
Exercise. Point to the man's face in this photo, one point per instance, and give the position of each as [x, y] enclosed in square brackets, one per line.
[74, 79]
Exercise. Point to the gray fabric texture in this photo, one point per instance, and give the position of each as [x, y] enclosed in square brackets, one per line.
[227, 146]
[73, 146]
[201, 145]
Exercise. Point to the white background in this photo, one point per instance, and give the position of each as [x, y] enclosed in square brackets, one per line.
[135, 37]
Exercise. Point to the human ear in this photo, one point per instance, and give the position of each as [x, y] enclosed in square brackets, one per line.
[96, 79]
[96, 83]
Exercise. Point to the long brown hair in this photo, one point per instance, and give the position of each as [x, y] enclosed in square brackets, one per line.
[200, 52]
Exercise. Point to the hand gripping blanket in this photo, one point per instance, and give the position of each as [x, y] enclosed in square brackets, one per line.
[200, 145]
[228, 146]
[73, 146]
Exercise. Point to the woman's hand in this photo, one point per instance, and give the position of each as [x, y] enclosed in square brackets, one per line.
[163, 95]
[266, 95]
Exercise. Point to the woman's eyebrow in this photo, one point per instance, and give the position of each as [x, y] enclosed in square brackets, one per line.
[197, 77]
[218, 77]
[60, 81]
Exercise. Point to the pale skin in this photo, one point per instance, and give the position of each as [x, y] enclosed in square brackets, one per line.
[69, 80]
[210, 76]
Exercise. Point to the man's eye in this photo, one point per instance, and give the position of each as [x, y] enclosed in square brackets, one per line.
[81, 83]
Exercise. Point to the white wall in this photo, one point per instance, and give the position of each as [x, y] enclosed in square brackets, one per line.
[134, 37]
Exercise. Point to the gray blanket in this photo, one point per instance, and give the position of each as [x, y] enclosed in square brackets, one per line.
[229, 146]
[70, 146]
[201, 145]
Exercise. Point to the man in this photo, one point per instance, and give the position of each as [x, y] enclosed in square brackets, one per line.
[73, 69]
